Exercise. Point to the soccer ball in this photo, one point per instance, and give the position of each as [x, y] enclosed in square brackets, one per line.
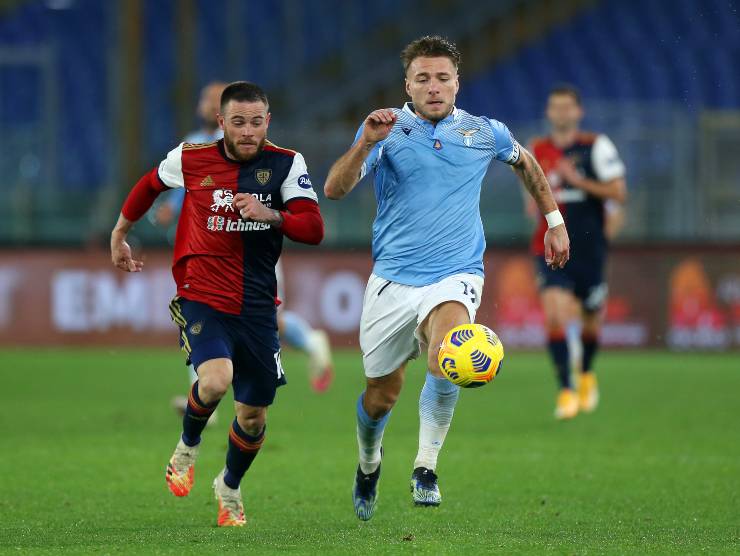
[471, 355]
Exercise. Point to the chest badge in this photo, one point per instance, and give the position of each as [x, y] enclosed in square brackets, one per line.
[263, 175]
[467, 135]
[438, 144]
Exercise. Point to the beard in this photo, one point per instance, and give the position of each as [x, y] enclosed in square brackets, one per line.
[233, 151]
[434, 118]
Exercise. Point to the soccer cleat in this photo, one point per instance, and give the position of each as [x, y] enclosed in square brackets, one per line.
[567, 404]
[365, 493]
[320, 365]
[322, 382]
[180, 473]
[424, 488]
[230, 506]
[588, 392]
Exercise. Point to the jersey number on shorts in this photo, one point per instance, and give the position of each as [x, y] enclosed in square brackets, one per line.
[279, 365]
[469, 290]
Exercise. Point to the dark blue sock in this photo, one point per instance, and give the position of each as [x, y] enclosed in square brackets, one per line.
[590, 344]
[243, 448]
[196, 417]
[558, 346]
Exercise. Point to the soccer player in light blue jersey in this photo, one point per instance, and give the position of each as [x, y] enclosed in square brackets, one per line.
[428, 161]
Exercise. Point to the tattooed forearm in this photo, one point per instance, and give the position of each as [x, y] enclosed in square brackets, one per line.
[531, 175]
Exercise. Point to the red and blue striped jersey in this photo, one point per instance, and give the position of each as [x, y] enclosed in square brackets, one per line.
[594, 156]
[220, 259]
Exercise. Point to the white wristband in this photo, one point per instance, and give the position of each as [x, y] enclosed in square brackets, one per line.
[554, 218]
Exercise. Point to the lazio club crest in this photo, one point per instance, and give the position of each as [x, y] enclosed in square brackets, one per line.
[263, 175]
[468, 135]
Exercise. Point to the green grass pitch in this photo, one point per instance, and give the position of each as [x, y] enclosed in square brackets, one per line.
[86, 434]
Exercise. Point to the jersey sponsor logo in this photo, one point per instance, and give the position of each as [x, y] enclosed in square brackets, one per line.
[304, 181]
[207, 182]
[222, 199]
[467, 135]
[216, 223]
[222, 224]
[262, 175]
[265, 198]
[569, 195]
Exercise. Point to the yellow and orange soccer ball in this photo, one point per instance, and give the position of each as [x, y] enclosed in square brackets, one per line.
[471, 355]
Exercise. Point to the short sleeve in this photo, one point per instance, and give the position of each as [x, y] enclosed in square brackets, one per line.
[372, 159]
[507, 148]
[605, 160]
[297, 184]
[170, 169]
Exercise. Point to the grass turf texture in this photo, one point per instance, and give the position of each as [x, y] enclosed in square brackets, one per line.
[86, 436]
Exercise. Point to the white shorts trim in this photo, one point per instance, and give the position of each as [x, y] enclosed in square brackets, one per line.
[393, 313]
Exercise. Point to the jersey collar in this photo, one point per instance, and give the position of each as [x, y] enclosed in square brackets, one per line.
[409, 109]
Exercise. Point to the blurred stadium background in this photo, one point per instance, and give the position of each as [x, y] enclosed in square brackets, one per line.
[93, 93]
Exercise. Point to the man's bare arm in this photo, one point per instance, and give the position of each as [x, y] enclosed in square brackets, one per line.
[345, 172]
[533, 178]
[557, 244]
[613, 189]
[610, 189]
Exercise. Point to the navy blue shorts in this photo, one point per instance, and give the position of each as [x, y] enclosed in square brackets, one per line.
[250, 342]
[584, 277]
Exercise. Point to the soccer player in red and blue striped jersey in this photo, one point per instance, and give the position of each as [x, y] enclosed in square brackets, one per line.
[585, 172]
[243, 194]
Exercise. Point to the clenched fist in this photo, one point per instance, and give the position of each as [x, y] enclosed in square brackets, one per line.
[250, 208]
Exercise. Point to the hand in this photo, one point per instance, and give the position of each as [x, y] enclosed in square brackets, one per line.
[164, 214]
[250, 208]
[569, 172]
[557, 247]
[378, 125]
[120, 252]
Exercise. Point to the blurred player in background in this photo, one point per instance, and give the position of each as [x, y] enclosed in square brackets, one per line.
[294, 330]
[585, 172]
[428, 159]
[243, 195]
[614, 214]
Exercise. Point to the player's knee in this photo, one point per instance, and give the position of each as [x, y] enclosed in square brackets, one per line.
[556, 322]
[213, 386]
[251, 422]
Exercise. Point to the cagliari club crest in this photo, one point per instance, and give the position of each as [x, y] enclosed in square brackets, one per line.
[262, 175]
[468, 135]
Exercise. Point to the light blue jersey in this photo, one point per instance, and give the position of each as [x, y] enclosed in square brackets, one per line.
[427, 186]
[176, 195]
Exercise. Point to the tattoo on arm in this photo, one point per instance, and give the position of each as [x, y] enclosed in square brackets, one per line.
[531, 175]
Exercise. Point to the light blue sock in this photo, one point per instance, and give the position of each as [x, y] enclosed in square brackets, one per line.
[296, 330]
[436, 407]
[369, 437]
